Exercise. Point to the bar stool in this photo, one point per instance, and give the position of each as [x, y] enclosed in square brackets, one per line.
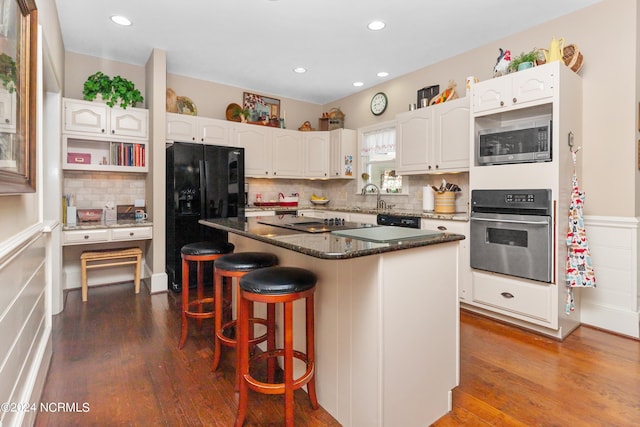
[273, 285]
[199, 252]
[237, 265]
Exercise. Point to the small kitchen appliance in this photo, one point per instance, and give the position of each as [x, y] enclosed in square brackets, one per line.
[521, 141]
[512, 232]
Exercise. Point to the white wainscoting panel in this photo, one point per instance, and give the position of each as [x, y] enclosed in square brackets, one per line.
[25, 351]
[614, 304]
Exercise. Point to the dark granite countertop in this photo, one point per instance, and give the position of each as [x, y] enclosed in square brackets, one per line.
[320, 245]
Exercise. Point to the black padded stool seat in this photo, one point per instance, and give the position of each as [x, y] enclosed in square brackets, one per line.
[275, 285]
[278, 280]
[230, 266]
[200, 253]
[207, 248]
[246, 261]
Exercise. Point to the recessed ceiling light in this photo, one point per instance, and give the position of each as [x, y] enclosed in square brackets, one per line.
[376, 25]
[299, 70]
[382, 74]
[358, 84]
[121, 20]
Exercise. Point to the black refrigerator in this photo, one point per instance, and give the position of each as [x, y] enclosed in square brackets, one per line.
[203, 181]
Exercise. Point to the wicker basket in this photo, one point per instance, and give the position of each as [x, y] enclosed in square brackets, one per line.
[572, 57]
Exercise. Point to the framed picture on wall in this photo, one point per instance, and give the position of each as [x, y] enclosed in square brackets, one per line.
[18, 31]
[260, 107]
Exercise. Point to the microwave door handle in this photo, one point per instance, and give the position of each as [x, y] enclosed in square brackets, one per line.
[510, 221]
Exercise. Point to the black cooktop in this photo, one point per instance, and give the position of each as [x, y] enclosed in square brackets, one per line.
[312, 225]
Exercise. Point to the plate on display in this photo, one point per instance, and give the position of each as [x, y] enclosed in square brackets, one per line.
[186, 106]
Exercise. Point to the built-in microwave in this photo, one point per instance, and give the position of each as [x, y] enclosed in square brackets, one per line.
[524, 141]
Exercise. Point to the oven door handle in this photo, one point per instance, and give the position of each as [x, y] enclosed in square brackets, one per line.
[510, 221]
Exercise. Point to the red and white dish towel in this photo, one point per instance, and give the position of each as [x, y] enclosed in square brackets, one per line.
[579, 270]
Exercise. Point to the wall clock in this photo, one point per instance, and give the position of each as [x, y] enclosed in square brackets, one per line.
[378, 103]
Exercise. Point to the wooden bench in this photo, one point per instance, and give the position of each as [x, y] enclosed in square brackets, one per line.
[110, 258]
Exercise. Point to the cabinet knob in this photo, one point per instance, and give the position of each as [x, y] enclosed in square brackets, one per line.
[113, 131]
[86, 237]
[437, 166]
[429, 167]
[132, 233]
[502, 103]
[507, 295]
[103, 131]
[7, 121]
[515, 100]
[442, 228]
[193, 138]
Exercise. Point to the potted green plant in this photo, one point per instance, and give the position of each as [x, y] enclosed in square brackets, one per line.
[523, 61]
[117, 90]
[8, 72]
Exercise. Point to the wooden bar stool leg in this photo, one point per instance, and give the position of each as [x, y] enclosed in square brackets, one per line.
[185, 302]
[84, 280]
[242, 347]
[200, 285]
[311, 354]
[288, 363]
[271, 342]
[136, 279]
[217, 286]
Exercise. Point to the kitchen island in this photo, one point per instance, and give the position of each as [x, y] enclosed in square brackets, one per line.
[387, 324]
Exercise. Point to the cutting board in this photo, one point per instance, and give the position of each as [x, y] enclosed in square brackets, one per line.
[385, 234]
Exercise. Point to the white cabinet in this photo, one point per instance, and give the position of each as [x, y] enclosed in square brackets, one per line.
[103, 235]
[96, 137]
[186, 128]
[7, 111]
[258, 149]
[342, 153]
[99, 119]
[181, 127]
[316, 154]
[434, 139]
[288, 154]
[214, 132]
[464, 271]
[515, 90]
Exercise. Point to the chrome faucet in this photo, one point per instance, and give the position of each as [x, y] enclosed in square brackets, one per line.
[380, 204]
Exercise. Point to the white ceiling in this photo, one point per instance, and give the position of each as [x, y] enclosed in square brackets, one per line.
[255, 44]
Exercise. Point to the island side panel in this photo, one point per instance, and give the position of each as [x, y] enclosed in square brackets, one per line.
[420, 313]
[348, 331]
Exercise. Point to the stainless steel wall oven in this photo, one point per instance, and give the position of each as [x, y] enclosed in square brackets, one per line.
[512, 232]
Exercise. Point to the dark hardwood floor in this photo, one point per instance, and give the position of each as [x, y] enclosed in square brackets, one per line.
[118, 353]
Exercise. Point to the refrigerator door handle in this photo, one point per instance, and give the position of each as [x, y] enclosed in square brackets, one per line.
[203, 185]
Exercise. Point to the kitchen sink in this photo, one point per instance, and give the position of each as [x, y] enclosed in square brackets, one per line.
[386, 234]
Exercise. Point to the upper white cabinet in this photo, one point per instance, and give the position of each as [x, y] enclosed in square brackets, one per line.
[99, 119]
[434, 139]
[288, 154]
[272, 152]
[523, 88]
[7, 111]
[257, 142]
[182, 127]
[99, 138]
[316, 154]
[342, 153]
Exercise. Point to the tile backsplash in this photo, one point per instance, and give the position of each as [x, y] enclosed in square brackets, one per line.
[95, 190]
[344, 193]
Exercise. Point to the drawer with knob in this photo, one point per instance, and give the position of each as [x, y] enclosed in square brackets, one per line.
[513, 296]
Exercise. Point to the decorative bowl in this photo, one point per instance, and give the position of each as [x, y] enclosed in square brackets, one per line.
[320, 202]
